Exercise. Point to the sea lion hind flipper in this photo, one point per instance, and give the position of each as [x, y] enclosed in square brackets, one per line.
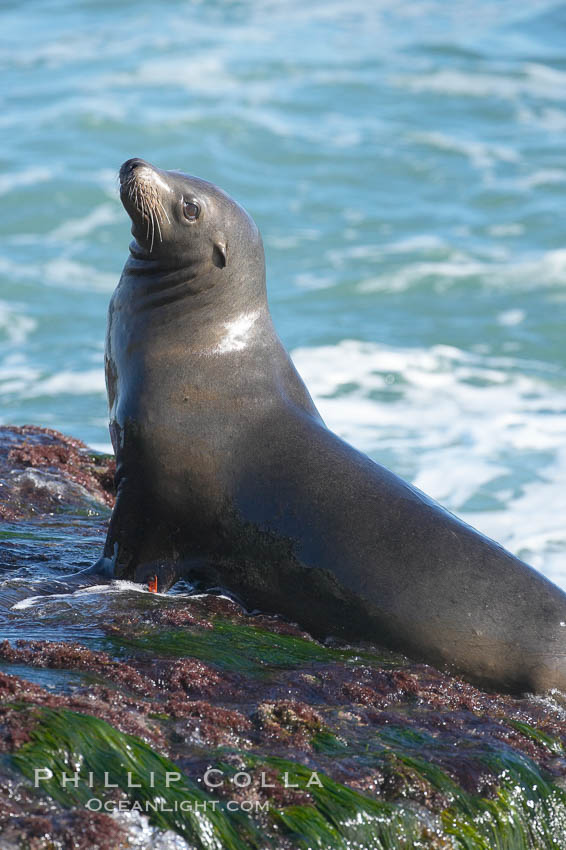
[103, 567]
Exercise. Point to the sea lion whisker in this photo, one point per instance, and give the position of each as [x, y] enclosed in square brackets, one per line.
[146, 215]
[157, 211]
[152, 230]
[136, 197]
[164, 211]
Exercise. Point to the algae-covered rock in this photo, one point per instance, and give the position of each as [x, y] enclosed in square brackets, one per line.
[132, 719]
[42, 470]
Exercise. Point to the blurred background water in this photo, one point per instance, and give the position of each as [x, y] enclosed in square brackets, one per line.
[406, 164]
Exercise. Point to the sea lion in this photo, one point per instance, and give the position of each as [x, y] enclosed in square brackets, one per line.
[227, 475]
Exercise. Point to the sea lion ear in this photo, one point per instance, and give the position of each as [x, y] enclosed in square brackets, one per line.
[219, 254]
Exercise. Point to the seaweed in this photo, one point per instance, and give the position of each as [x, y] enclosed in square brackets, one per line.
[548, 741]
[231, 646]
[69, 743]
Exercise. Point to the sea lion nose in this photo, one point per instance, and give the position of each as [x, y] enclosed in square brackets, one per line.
[131, 164]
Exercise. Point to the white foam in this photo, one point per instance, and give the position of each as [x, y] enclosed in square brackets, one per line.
[533, 80]
[19, 378]
[16, 374]
[104, 448]
[28, 177]
[60, 271]
[39, 479]
[468, 429]
[19, 271]
[114, 587]
[550, 119]
[80, 227]
[198, 72]
[542, 177]
[511, 229]
[141, 835]
[16, 326]
[67, 383]
[509, 318]
[310, 280]
[548, 268]
[481, 154]
[30, 601]
[69, 274]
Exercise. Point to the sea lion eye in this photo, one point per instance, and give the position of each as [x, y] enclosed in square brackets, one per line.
[191, 210]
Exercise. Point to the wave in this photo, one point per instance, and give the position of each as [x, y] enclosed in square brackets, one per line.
[28, 177]
[532, 80]
[478, 433]
[14, 324]
[18, 378]
[500, 271]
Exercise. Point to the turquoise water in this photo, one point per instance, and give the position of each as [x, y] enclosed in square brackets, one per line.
[406, 163]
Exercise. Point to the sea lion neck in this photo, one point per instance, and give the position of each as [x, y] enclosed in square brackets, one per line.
[166, 284]
[148, 265]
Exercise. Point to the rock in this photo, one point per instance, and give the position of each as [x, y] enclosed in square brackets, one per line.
[43, 471]
[313, 745]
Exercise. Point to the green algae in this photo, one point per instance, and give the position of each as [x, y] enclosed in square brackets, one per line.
[510, 821]
[326, 742]
[38, 536]
[69, 743]
[527, 811]
[246, 649]
[339, 823]
[339, 818]
[406, 737]
[551, 743]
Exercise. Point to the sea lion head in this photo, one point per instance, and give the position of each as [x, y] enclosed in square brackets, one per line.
[183, 222]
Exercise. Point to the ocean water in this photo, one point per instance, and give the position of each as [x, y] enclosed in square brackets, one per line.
[406, 164]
